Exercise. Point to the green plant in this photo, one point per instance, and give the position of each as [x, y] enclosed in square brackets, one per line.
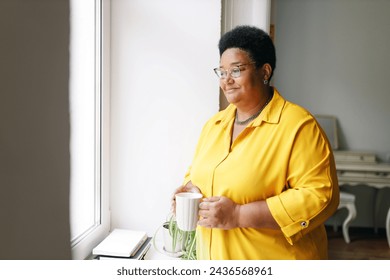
[188, 238]
[190, 245]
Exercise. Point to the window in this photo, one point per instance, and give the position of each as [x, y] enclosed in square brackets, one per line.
[89, 214]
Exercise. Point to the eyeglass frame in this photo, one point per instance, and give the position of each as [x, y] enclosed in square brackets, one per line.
[230, 71]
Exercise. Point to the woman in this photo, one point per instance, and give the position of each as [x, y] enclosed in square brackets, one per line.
[263, 165]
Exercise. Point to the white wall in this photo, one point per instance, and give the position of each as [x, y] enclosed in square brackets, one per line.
[333, 58]
[163, 90]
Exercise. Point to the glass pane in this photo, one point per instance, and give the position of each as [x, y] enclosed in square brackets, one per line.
[84, 201]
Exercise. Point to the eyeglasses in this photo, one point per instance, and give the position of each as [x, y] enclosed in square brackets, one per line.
[234, 71]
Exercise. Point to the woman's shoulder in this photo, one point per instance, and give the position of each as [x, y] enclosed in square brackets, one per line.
[291, 110]
[295, 113]
[296, 109]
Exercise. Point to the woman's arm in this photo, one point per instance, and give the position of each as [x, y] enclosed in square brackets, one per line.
[222, 212]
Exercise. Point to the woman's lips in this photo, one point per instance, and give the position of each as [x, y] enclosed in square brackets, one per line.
[230, 90]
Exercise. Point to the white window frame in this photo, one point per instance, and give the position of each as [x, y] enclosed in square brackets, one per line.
[83, 245]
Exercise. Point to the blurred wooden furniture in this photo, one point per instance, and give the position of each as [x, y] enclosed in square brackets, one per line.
[354, 168]
[347, 200]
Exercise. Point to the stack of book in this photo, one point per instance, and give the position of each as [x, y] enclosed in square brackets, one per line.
[123, 244]
[354, 157]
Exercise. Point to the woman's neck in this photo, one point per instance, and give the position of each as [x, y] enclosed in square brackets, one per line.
[255, 108]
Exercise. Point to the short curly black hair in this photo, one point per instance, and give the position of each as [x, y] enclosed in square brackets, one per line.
[256, 42]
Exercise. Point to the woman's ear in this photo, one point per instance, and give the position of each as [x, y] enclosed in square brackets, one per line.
[267, 71]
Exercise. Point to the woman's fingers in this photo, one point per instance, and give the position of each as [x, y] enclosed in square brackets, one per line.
[189, 187]
[217, 212]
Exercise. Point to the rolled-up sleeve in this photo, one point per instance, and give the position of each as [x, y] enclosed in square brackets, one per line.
[311, 193]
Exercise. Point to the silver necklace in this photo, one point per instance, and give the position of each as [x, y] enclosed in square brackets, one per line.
[251, 118]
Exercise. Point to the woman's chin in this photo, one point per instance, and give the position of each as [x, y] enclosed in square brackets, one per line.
[231, 98]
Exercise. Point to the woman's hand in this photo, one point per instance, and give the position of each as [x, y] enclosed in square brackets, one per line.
[219, 212]
[189, 187]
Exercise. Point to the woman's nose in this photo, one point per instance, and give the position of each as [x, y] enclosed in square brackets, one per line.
[228, 80]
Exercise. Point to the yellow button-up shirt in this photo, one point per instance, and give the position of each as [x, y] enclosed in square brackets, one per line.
[283, 157]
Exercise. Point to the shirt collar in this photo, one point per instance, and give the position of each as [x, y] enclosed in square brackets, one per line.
[270, 114]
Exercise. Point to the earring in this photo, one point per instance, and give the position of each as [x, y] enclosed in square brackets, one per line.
[266, 82]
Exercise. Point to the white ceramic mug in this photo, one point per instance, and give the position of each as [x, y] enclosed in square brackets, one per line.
[187, 207]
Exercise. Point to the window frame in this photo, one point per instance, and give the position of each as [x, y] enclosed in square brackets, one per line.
[83, 245]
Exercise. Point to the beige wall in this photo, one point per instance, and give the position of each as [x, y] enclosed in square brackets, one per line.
[34, 129]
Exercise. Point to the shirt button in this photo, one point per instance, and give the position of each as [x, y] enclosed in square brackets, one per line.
[303, 224]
